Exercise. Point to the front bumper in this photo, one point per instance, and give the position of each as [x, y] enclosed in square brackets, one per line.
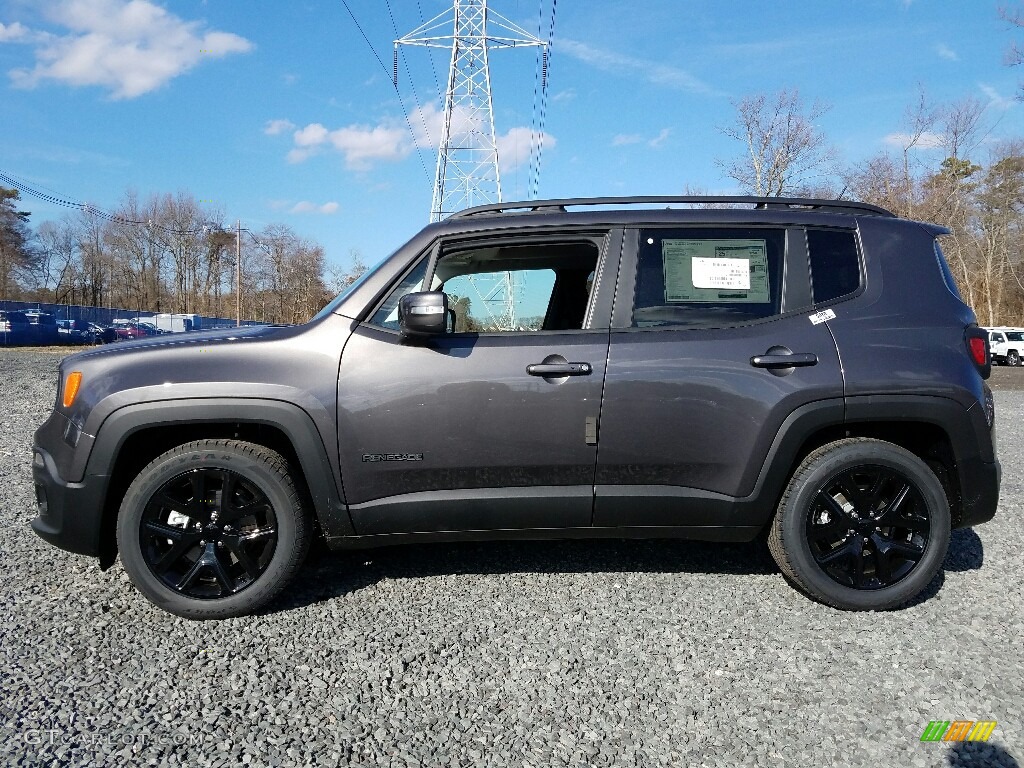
[70, 515]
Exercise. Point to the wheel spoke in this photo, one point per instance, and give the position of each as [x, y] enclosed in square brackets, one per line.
[163, 530]
[190, 575]
[874, 494]
[172, 555]
[834, 508]
[893, 514]
[829, 532]
[839, 554]
[238, 550]
[227, 584]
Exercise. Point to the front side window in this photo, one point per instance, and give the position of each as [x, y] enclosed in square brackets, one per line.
[386, 315]
[505, 288]
[708, 277]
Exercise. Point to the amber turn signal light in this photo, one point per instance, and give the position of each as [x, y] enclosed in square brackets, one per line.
[71, 386]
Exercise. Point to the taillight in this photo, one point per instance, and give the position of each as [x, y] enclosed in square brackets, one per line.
[978, 350]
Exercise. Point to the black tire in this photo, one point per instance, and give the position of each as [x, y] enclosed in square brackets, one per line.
[1013, 358]
[863, 525]
[199, 555]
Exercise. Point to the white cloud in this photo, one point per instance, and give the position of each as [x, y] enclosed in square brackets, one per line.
[946, 52]
[515, 145]
[14, 33]
[274, 127]
[927, 140]
[624, 139]
[130, 47]
[658, 140]
[305, 206]
[562, 96]
[995, 99]
[653, 71]
[627, 139]
[364, 145]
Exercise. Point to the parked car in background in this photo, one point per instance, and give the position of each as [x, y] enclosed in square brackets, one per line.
[100, 334]
[14, 328]
[42, 327]
[72, 331]
[1007, 345]
[131, 329]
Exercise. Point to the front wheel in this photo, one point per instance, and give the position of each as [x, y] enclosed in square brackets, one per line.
[863, 525]
[213, 529]
[1013, 358]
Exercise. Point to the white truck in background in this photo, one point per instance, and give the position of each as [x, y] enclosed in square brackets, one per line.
[1007, 345]
[176, 323]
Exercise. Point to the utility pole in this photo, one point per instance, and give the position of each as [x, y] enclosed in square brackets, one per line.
[467, 157]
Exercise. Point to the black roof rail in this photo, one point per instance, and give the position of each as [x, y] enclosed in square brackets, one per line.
[559, 206]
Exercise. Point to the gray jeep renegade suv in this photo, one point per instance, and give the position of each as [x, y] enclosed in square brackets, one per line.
[634, 367]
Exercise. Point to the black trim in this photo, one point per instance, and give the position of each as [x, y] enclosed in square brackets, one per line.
[785, 203]
[81, 532]
[692, 532]
[467, 509]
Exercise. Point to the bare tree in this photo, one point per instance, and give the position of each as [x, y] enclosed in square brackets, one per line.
[1015, 53]
[784, 148]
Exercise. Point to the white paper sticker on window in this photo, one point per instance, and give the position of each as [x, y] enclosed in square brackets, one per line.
[721, 273]
[724, 271]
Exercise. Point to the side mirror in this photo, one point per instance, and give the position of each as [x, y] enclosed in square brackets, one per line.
[423, 314]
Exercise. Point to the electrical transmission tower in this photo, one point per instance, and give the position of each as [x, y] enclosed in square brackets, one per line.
[467, 156]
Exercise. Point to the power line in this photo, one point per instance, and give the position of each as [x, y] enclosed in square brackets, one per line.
[401, 102]
[58, 199]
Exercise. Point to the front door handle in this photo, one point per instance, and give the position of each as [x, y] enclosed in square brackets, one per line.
[559, 369]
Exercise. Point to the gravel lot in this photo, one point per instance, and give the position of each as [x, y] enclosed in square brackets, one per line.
[518, 654]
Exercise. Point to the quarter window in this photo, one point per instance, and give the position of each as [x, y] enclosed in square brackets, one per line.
[708, 278]
[835, 268]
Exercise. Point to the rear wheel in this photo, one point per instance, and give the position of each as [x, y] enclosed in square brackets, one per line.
[213, 529]
[863, 525]
[1013, 358]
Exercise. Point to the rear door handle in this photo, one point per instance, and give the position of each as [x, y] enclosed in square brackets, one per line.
[559, 369]
[796, 359]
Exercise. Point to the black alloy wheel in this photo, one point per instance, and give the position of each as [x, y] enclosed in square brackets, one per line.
[862, 525]
[208, 533]
[213, 528]
[868, 527]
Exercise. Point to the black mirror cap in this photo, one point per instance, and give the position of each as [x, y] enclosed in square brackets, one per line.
[423, 314]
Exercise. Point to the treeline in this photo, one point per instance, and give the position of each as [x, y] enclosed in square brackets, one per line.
[166, 253]
[941, 166]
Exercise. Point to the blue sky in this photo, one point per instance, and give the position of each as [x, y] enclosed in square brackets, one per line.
[279, 112]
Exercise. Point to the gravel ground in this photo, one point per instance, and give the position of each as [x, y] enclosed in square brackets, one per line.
[508, 654]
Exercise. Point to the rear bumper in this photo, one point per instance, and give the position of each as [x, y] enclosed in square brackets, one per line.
[69, 514]
[979, 481]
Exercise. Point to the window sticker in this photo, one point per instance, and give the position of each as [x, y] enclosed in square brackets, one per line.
[715, 271]
[821, 317]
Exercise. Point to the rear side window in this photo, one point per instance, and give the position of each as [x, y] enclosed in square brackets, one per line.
[708, 277]
[835, 267]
